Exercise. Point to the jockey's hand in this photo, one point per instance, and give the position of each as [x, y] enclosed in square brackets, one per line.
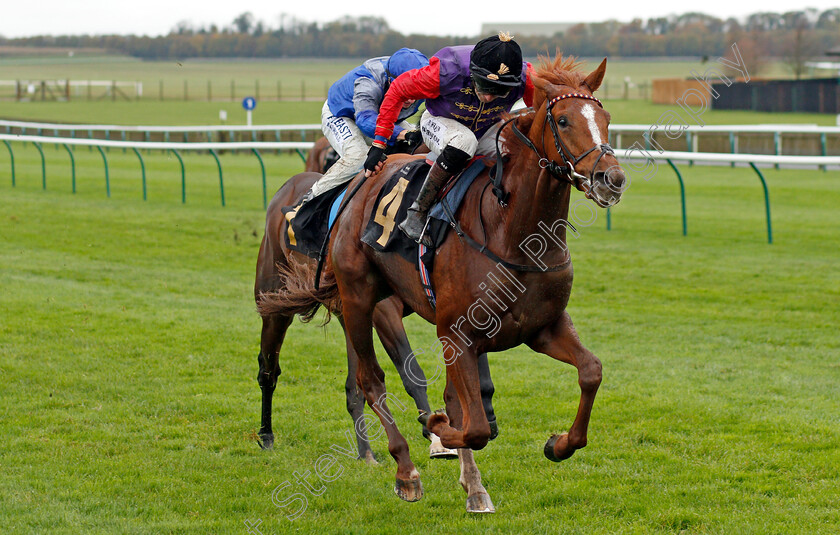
[375, 157]
[413, 137]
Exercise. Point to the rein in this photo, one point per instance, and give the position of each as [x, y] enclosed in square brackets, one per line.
[482, 247]
[322, 254]
[565, 172]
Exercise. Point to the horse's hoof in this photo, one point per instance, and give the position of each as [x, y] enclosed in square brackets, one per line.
[410, 490]
[439, 451]
[494, 429]
[266, 441]
[369, 459]
[480, 503]
[437, 419]
[555, 443]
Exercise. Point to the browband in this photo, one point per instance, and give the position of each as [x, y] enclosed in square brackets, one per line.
[555, 100]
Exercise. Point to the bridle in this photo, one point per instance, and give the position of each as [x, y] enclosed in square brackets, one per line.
[566, 170]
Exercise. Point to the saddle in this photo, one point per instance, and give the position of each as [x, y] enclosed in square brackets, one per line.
[382, 234]
[393, 200]
[309, 224]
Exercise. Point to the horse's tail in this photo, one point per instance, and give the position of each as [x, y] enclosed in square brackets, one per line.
[297, 293]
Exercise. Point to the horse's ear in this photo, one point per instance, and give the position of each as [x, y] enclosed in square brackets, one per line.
[541, 89]
[593, 81]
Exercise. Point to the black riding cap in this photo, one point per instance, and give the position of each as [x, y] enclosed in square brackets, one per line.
[497, 59]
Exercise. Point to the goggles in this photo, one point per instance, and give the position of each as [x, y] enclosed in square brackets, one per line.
[489, 88]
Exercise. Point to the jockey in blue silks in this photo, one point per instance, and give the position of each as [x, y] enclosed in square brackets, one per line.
[348, 118]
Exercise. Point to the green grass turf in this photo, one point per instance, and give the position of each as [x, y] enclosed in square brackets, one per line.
[298, 77]
[128, 343]
[197, 113]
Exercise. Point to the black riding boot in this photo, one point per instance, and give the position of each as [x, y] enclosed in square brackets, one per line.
[415, 221]
[450, 161]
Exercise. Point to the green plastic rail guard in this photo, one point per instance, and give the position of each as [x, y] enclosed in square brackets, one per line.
[43, 165]
[12, 156]
[142, 170]
[262, 166]
[183, 177]
[221, 182]
[72, 166]
[107, 178]
[682, 196]
[766, 202]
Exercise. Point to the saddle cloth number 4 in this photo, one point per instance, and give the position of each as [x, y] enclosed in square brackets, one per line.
[387, 209]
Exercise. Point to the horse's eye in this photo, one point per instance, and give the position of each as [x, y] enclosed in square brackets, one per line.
[562, 121]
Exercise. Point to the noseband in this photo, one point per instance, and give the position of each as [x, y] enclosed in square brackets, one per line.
[566, 170]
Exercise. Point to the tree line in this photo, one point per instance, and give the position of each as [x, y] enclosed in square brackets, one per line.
[792, 35]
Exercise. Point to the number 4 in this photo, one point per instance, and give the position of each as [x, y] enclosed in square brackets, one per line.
[387, 209]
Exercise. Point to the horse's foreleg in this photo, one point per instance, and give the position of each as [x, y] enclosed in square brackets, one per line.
[462, 377]
[478, 500]
[273, 332]
[560, 341]
[357, 309]
[356, 401]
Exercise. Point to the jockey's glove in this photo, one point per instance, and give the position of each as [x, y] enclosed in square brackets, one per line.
[413, 138]
[375, 155]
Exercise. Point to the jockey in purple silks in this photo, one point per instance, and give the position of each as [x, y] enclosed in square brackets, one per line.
[467, 89]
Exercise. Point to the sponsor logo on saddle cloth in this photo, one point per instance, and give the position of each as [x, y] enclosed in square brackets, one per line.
[392, 202]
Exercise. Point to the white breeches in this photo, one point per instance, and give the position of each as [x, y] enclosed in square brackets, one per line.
[438, 132]
[350, 144]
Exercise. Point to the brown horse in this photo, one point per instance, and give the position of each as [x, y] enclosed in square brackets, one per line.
[321, 157]
[273, 256]
[560, 144]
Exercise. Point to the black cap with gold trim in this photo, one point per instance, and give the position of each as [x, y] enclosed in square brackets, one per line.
[498, 60]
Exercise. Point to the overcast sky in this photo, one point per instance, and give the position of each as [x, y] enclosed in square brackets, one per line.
[156, 17]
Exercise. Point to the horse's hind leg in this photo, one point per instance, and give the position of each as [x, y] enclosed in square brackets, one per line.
[560, 341]
[358, 298]
[487, 391]
[387, 319]
[356, 402]
[273, 332]
[478, 500]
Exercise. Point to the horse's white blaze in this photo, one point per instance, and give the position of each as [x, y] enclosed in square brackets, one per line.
[589, 112]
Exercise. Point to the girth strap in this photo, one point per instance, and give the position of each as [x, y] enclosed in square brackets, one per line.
[482, 248]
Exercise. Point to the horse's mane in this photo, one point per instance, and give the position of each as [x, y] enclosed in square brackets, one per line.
[560, 70]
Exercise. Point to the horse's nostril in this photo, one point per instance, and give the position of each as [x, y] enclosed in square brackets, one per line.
[614, 179]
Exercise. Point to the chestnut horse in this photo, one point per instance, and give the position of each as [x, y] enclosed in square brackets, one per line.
[321, 157]
[273, 255]
[560, 144]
